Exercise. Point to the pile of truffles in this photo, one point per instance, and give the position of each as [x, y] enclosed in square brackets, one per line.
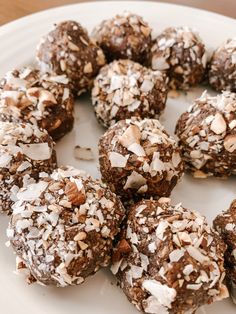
[64, 225]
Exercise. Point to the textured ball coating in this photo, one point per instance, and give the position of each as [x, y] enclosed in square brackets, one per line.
[68, 50]
[225, 224]
[44, 100]
[139, 159]
[207, 135]
[63, 227]
[125, 36]
[25, 152]
[124, 89]
[169, 260]
[181, 54]
[222, 67]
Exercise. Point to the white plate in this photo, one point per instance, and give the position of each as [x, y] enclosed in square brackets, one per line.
[17, 46]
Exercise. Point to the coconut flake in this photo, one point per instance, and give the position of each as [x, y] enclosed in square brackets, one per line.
[197, 255]
[146, 86]
[176, 255]
[118, 160]
[164, 294]
[159, 63]
[130, 136]
[25, 165]
[32, 192]
[161, 228]
[135, 181]
[5, 160]
[137, 149]
[39, 151]
[153, 306]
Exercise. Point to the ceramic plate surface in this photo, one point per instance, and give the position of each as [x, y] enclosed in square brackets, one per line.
[100, 295]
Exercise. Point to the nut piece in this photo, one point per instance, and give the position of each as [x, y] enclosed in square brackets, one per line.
[130, 136]
[218, 125]
[75, 196]
[230, 143]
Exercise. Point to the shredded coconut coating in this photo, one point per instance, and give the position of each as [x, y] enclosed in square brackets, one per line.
[207, 135]
[169, 260]
[181, 54]
[25, 152]
[139, 159]
[125, 36]
[225, 224]
[62, 227]
[41, 99]
[68, 50]
[222, 67]
[124, 89]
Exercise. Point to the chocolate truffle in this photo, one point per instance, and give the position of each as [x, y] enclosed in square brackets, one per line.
[225, 224]
[181, 54]
[63, 227]
[68, 50]
[124, 89]
[25, 152]
[222, 67]
[44, 100]
[139, 159]
[169, 260]
[125, 36]
[207, 135]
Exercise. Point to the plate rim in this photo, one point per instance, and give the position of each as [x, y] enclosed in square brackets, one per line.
[7, 26]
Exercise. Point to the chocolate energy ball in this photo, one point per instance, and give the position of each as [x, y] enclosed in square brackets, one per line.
[207, 135]
[63, 227]
[68, 50]
[222, 67]
[125, 36]
[139, 159]
[181, 54]
[25, 152]
[225, 224]
[44, 100]
[124, 89]
[169, 260]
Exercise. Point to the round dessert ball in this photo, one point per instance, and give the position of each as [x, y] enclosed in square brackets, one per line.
[222, 67]
[124, 89]
[139, 159]
[181, 54]
[225, 224]
[207, 135]
[63, 227]
[25, 152]
[169, 260]
[68, 50]
[125, 36]
[44, 100]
